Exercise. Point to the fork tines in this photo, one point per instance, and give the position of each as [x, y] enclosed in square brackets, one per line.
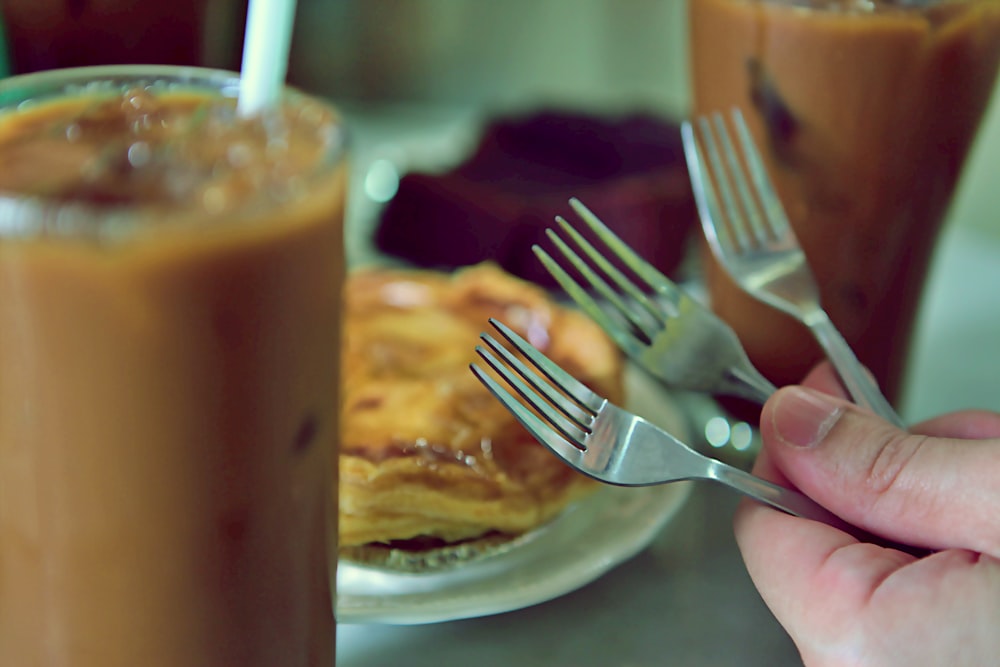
[552, 398]
[634, 315]
[716, 167]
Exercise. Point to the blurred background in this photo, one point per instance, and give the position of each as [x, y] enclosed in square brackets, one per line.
[608, 53]
[47, 34]
[436, 58]
[597, 54]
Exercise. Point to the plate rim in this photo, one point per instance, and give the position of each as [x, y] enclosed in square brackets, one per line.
[581, 568]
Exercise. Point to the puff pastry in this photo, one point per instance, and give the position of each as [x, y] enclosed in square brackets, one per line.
[428, 457]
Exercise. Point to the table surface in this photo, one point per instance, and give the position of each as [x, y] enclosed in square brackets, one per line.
[686, 599]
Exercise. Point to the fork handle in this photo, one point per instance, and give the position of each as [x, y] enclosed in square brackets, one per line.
[745, 381]
[859, 384]
[779, 497]
[796, 504]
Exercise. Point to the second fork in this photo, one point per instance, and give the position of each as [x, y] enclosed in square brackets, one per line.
[663, 329]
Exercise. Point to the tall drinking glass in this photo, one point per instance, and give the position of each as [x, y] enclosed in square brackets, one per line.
[865, 111]
[170, 290]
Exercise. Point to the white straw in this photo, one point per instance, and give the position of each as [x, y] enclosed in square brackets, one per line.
[265, 54]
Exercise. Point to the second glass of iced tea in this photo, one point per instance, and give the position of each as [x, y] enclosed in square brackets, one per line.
[865, 111]
[170, 304]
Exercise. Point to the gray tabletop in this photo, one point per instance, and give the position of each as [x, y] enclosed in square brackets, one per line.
[686, 599]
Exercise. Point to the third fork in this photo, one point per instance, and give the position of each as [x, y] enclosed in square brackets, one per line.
[653, 320]
[751, 238]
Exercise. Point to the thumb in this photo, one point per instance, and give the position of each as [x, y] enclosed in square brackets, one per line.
[915, 489]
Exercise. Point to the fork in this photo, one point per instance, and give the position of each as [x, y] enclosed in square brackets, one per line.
[660, 326]
[605, 441]
[751, 238]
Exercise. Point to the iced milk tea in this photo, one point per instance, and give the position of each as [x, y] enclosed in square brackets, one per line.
[170, 282]
[865, 111]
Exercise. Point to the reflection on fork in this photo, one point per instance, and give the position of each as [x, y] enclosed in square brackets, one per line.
[669, 334]
[605, 441]
[751, 238]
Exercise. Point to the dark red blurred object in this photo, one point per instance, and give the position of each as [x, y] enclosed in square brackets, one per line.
[629, 171]
[49, 34]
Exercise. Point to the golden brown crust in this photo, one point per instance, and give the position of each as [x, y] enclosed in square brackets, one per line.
[426, 451]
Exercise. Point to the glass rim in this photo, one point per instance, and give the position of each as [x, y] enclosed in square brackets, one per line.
[31, 216]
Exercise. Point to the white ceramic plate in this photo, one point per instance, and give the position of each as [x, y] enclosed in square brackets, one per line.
[590, 538]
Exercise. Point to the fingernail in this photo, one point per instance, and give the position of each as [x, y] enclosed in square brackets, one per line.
[802, 417]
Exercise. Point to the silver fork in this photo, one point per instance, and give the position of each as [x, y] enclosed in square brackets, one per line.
[750, 236]
[657, 324]
[606, 442]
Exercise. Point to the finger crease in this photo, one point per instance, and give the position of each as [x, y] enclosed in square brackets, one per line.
[885, 472]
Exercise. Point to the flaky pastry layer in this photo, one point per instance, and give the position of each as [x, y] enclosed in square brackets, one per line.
[426, 450]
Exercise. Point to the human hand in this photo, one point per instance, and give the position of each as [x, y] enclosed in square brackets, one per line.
[845, 602]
